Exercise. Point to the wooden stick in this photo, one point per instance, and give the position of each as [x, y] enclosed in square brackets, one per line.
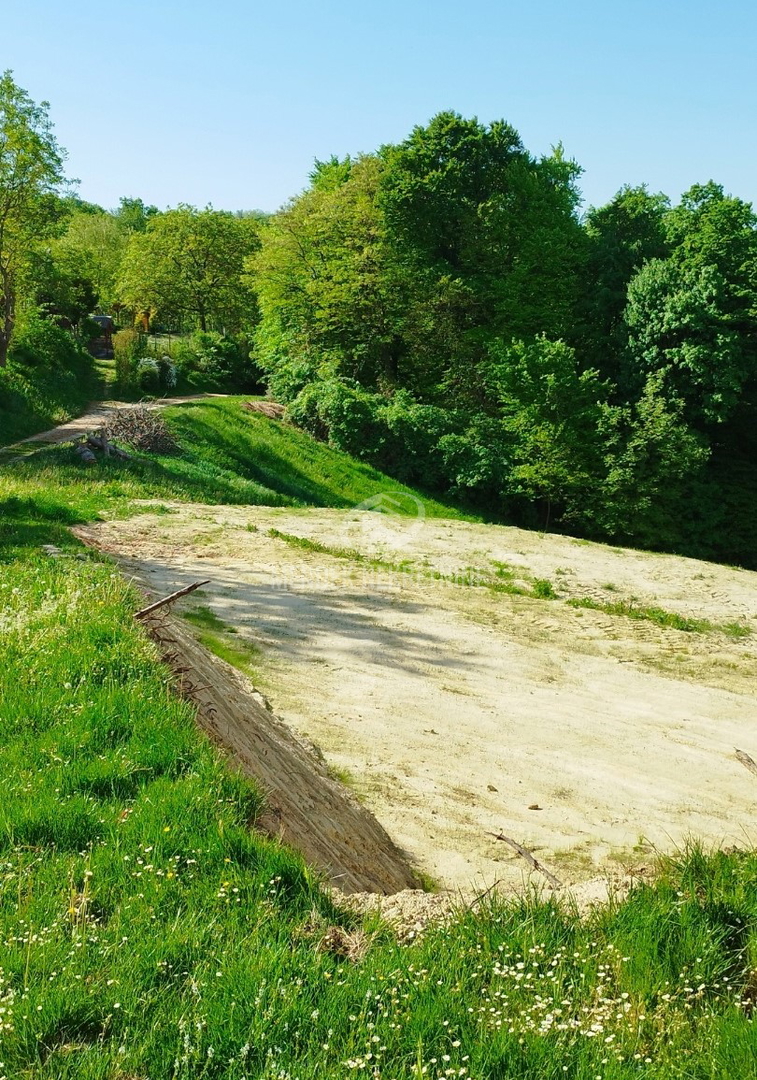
[169, 599]
[526, 854]
[747, 761]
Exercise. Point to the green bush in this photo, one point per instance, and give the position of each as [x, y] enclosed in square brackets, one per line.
[348, 418]
[395, 434]
[128, 346]
[42, 343]
[218, 360]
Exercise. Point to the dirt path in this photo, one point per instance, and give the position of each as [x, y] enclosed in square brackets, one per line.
[458, 711]
[97, 413]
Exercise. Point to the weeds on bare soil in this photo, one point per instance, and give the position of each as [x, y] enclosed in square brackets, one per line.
[670, 619]
[502, 582]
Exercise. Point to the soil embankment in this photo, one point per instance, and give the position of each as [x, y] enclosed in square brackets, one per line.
[305, 807]
[459, 711]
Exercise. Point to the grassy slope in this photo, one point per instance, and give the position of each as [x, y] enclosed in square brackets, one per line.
[34, 399]
[229, 455]
[146, 932]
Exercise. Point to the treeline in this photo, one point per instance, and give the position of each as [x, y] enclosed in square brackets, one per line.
[443, 309]
[64, 260]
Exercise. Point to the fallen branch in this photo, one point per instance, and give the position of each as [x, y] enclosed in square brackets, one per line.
[747, 761]
[86, 455]
[526, 854]
[169, 599]
[100, 442]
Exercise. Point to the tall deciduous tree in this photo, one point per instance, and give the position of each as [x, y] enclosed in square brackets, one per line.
[325, 283]
[31, 172]
[133, 215]
[92, 249]
[186, 267]
[694, 315]
[620, 237]
[485, 235]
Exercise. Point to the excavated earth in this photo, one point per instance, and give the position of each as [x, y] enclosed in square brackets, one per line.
[457, 712]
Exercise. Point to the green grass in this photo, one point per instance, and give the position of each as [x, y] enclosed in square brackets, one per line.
[349, 554]
[669, 619]
[147, 930]
[218, 637]
[229, 456]
[34, 399]
[207, 620]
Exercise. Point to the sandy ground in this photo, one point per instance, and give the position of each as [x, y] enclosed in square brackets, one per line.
[457, 712]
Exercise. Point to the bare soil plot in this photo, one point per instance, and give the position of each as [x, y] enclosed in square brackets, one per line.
[456, 711]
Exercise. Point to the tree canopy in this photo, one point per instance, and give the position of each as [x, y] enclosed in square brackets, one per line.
[186, 267]
[31, 174]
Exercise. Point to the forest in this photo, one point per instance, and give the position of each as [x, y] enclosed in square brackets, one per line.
[444, 308]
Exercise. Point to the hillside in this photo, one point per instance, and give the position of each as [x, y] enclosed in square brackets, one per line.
[462, 674]
[149, 930]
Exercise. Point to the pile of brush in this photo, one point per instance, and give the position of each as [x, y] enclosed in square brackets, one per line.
[143, 428]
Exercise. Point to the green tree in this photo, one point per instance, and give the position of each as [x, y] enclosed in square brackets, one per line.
[397, 269]
[693, 315]
[92, 249]
[651, 458]
[679, 326]
[550, 413]
[133, 216]
[620, 237]
[187, 269]
[328, 298]
[31, 174]
[485, 237]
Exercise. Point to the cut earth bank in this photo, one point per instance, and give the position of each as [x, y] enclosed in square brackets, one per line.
[457, 707]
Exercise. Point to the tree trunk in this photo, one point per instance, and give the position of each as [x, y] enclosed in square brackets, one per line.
[7, 313]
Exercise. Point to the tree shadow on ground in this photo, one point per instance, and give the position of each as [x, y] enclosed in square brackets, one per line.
[296, 620]
[29, 523]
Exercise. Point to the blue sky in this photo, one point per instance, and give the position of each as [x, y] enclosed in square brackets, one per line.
[229, 102]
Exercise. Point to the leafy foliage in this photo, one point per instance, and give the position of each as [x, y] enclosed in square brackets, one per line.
[186, 267]
[31, 173]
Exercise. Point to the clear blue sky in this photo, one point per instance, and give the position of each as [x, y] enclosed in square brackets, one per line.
[229, 102]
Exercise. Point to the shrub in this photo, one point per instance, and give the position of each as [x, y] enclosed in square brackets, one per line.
[347, 417]
[42, 343]
[395, 434]
[148, 375]
[220, 360]
[413, 435]
[128, 347]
